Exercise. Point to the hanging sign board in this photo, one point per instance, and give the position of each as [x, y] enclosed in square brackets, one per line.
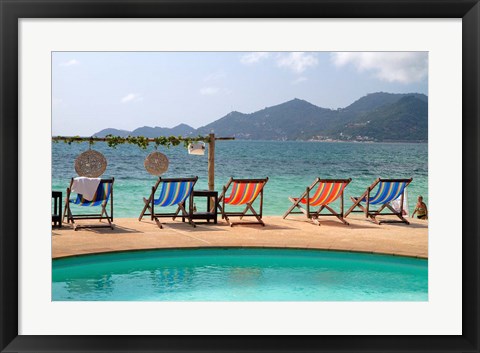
[197, 148]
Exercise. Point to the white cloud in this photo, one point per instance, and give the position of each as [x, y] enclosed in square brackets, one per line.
[209, 91]
[297, 61]
[299, 80]
[252, 58]
[70, 62]
[132, 97]
[215, 76]
[403, 67]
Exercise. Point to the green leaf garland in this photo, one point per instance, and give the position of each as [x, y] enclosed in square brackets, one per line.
[140, 141]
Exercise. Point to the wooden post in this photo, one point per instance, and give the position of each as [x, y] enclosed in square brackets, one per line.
[211, 162]
[211, 169]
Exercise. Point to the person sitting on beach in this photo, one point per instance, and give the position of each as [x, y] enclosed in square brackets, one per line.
[421, 209]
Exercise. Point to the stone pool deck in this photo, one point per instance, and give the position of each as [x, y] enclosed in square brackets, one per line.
[293, 232]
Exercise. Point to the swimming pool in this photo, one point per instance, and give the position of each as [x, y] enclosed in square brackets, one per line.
[239, 274]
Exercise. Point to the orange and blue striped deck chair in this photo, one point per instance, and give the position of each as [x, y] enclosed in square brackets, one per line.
[327, 192]
[387, 190]
[173, 192]
[102, 196]
[244, 192]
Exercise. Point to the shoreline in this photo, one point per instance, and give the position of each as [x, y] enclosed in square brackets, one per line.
[355, 141]
[294, 232]
[327, 141]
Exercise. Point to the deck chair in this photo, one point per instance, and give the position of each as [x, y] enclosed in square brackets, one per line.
[387, 191]
[244, 192]
[102, 196]
[327, 191]
[174, 192]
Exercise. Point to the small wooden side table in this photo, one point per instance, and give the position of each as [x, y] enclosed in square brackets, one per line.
[57, 209]
[211, 212]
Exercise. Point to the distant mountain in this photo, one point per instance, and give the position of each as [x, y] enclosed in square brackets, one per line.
[403, 120]
[283, 121]
[373, 101]
[182, 129]
[147, 131]
[114, 132]
[374, 117]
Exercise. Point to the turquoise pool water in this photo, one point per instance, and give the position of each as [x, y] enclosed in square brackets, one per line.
[229, 274]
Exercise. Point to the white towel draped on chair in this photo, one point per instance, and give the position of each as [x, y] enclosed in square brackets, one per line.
[86, 186]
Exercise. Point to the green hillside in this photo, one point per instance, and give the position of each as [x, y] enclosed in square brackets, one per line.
[375, 117]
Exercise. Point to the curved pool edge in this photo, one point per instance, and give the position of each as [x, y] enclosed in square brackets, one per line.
[236, 247]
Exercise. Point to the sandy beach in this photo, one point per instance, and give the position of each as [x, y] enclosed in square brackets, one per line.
[294, 232]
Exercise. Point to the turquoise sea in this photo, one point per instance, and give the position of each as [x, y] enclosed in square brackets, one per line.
[290, 165]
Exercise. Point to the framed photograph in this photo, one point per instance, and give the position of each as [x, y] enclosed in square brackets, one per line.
[168, 170]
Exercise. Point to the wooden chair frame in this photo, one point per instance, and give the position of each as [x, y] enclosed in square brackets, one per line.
[150, 204]
[248, 207]
[67, 212]
[313, 215]
[373, 214]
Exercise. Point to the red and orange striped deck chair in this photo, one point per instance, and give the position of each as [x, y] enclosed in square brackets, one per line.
[244, 192]
[328, 191]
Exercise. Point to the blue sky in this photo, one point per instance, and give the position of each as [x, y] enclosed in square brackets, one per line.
[125, 90]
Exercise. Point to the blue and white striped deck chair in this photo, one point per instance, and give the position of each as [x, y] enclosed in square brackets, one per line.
[387, 190]
[102, 196]
[174, 192]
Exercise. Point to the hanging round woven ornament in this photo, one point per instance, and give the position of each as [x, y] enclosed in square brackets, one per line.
[90, 164]
[156, 163]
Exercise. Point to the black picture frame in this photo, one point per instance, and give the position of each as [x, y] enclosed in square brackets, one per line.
[13, 10]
